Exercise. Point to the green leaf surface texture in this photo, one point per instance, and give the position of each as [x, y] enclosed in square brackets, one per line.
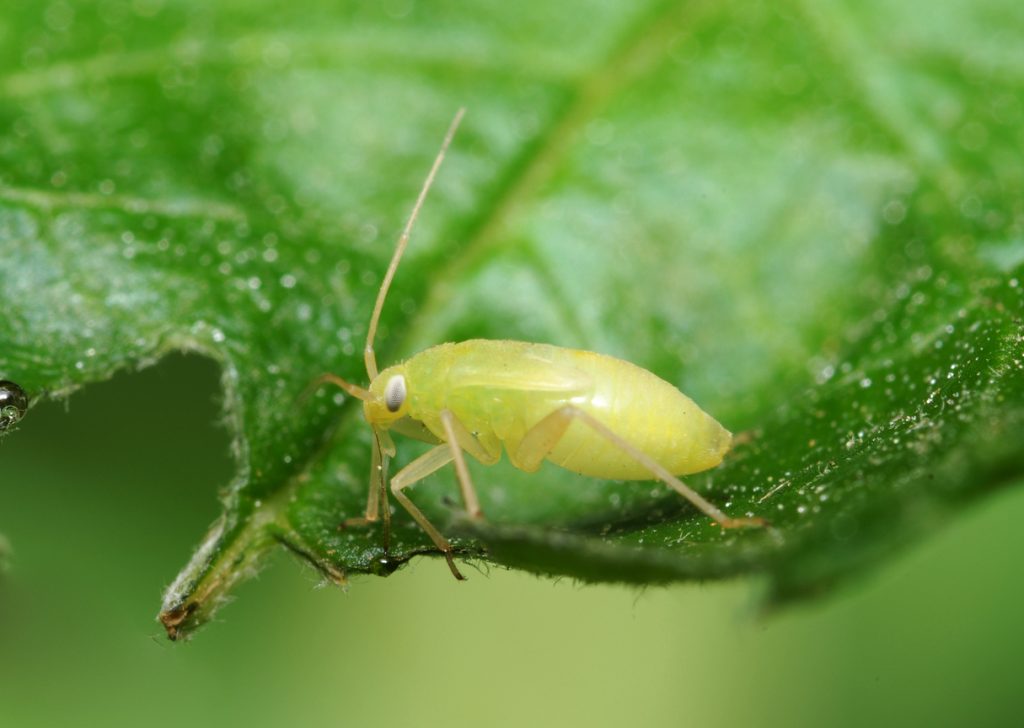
[807, 216]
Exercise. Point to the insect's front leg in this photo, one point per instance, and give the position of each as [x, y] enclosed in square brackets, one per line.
[376, 494]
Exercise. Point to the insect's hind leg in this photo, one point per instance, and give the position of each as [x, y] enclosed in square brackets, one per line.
[542, 438]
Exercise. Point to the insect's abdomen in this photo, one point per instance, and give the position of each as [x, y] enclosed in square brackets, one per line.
[646, 411]
[501, 389]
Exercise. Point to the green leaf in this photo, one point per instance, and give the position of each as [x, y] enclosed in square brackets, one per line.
[808, 218]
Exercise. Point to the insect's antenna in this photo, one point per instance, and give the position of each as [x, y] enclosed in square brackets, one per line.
[403, 240]
[352, 389]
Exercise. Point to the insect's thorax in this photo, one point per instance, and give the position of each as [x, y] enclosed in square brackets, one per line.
[500, 389]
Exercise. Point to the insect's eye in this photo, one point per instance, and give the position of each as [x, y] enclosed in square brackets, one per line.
[394, 393]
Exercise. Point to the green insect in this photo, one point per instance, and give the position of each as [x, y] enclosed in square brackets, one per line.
[589, 413]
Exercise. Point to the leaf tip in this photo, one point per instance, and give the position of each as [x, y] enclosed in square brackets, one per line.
[174, 619]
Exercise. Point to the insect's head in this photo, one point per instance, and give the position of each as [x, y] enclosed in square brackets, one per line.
[390, 397]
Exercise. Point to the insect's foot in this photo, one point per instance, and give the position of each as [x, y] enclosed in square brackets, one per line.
[451, 565]
[752, 522]
[744, 438]
[360, 522]
[476, 514]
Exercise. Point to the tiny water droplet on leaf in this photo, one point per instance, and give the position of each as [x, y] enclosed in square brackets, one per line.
[13, 404]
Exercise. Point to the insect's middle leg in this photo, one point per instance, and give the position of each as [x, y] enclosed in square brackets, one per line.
[459, 439]
[542, 438]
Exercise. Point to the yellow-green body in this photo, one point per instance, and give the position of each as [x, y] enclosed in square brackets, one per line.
[501, 389]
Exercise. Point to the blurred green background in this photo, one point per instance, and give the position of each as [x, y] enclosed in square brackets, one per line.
[105, 495]
[102, 496]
